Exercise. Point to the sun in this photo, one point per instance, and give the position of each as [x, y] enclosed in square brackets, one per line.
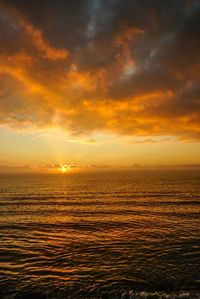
[63, 169]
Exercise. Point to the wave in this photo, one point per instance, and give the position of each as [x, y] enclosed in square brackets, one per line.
[63, 293]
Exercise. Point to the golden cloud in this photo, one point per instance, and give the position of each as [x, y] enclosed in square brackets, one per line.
[131, 80]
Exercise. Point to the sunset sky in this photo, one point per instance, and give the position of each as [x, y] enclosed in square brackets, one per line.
[99, 83]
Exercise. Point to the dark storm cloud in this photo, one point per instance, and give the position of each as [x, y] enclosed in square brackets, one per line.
[130, 67]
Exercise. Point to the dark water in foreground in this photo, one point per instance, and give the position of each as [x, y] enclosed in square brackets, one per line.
[100, 235]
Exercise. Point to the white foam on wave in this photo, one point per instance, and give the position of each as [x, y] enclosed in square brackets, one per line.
[159, 295]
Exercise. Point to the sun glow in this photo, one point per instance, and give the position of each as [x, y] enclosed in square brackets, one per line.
[64, 168]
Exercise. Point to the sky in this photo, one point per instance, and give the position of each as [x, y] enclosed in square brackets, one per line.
[97, 84]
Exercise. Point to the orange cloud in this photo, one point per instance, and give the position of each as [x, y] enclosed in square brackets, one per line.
[44, 46]
[127, 78]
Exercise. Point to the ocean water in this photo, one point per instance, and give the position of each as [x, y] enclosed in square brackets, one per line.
[100, 235]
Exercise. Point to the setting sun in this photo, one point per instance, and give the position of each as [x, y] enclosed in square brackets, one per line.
[63, 169]
[66, 168]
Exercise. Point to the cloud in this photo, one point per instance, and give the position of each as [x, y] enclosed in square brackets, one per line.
[56, 168]
[16, 169]
[124, 67]
[150, 140]
[80, 141]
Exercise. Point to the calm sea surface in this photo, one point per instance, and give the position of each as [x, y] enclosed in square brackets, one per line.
[100, 234]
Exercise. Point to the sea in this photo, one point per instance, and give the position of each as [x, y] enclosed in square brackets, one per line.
[128, 234]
